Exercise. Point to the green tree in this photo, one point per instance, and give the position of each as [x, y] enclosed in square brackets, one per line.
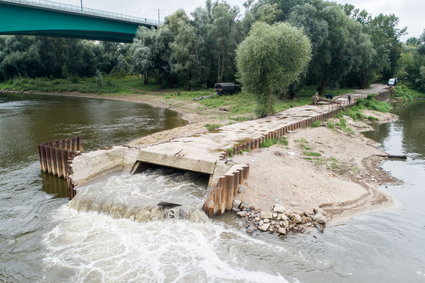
[270, 59]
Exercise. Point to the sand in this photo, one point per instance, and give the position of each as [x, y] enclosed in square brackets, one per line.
[343, 180]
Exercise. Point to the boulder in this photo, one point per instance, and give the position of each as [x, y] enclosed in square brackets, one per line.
[264, 227]
[296, 218]
[279, 208]
[319, 218]
[266, 214]
[241, 213]
[319, 211]
[281, 231]
[250, 229]
[283, 223]
[236, 203]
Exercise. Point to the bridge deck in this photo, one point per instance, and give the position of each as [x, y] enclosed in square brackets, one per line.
[67, 8]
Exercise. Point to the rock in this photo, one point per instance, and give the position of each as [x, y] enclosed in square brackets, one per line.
[235, 209]
[281, 231]
[266, 214]
[283, 223]
[261, 223]
[319, 218]
[279, 208]
[170, 214]
[266, 220]
[240, 189]
[306, 219]
[243, 205]
[319, 211]
[283, 217]
[275, 215]
[236, 203]
[250, 229]
[241, 213]
[257, 218]
[183, 214]
[296, 218]
[271, 228]
[264, 227]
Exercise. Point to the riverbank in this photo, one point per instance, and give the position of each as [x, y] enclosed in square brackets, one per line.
[234, 108]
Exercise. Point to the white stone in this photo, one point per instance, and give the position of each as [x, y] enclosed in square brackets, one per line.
[236, 203]
[281, 231]
[266, 214]
[320, 218]
[241, 213]
[279, 208]
[264, 227]
[296, 218]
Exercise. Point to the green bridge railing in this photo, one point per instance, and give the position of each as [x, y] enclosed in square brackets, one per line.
[61, 7]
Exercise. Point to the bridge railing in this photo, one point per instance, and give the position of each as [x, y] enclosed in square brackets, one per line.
[81, 10]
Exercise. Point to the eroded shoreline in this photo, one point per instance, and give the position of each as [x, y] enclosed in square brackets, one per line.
[322, 176]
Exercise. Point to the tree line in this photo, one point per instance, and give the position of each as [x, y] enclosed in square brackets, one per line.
[348, 48]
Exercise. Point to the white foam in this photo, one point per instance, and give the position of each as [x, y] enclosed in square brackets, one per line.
[92, 247]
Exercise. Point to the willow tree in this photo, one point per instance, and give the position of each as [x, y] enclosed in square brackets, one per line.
[270, 59]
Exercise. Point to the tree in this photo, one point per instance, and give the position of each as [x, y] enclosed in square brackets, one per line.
[270, 59]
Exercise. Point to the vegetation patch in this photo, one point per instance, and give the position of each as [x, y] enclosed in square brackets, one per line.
[316, 124]
[311, 153]
[212, 127]
[273, 141]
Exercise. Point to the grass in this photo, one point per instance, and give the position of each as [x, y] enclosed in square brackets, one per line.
[403, 93]
[316, 124]
[371, 103]
[301, 140]
[212, 127]
[311, 153]
[108, 85]
[372, 119]
[273, 141]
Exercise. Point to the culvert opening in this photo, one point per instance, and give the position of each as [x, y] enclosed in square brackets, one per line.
[156, 193]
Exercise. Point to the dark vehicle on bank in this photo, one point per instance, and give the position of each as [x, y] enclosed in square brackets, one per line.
[227, 88]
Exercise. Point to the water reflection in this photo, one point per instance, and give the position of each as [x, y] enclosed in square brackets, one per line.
[408, 132]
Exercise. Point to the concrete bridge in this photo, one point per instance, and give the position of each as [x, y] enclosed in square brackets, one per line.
[37, 17]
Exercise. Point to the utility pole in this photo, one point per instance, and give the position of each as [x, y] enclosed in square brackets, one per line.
[159, 21]
[81, 1]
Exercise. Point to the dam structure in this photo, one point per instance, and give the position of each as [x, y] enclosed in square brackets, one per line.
[209, 153]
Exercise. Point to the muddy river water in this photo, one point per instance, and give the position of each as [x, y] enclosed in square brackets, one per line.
[109, 236]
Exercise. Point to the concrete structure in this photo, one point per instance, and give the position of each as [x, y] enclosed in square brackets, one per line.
[32, 17]
[210, 152]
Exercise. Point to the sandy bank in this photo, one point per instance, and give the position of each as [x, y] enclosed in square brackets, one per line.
[319, 168]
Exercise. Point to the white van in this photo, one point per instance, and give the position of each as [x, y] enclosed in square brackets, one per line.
[392, 82]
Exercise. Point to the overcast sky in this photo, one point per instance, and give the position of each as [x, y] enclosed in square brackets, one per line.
[410, 12]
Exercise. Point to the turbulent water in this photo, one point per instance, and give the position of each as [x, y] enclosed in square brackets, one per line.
[114, 232]
[29, 198]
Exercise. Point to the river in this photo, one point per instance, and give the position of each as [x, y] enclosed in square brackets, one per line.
[46, 239]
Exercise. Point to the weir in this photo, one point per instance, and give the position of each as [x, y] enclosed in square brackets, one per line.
[209, 153]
